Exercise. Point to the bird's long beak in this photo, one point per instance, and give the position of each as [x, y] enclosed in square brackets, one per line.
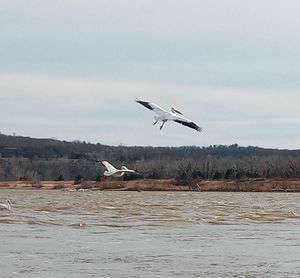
[155, 123]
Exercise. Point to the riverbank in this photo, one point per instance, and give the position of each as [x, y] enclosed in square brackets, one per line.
[258, 185]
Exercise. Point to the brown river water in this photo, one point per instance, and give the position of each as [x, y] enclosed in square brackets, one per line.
[149, 234]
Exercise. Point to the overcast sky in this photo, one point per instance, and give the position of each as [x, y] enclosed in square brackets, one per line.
[71, 69]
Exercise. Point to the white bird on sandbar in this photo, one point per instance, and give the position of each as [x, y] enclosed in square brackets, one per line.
[112, 171]
[6, 205]
[163, 116]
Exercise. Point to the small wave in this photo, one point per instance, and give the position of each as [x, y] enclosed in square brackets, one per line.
[109, 207]
[41, 223]
[64, 208]
[270, 218]
[292, 214]
[53, 209]
[84, 260]
[216, 222]
[256, 217]
[261, 218]
[79, 225]
[244, 276]
[116, 226]
[8, 221]
[47, 209]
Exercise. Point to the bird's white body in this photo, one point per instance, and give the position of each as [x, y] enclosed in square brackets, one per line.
[6, 205]
[112, 171]
[163, 116]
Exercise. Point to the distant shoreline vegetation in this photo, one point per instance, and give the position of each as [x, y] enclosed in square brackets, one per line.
[25, 158]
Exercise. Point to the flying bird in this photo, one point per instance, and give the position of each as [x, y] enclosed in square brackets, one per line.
[163, 116]
[6, 205]
[112, 171]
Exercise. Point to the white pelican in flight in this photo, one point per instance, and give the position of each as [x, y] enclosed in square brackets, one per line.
[112, 171]
[6, 205]
[164, 116]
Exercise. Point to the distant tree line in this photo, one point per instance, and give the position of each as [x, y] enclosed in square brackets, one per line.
[25, 158]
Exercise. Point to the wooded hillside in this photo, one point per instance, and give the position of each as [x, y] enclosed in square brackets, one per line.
[24, 158]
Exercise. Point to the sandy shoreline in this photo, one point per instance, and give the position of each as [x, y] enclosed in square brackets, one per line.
[259, 185]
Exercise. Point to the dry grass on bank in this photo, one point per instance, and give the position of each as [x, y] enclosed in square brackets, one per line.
[260, 185]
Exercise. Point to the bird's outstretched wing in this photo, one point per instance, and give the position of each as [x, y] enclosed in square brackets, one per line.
[152, 106]
[108, 166]
[188, 123]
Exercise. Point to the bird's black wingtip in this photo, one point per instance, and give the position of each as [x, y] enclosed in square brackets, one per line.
[144, 103]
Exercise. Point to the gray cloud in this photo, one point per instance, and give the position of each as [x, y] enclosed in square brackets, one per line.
[71, 69]
[104, 111]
